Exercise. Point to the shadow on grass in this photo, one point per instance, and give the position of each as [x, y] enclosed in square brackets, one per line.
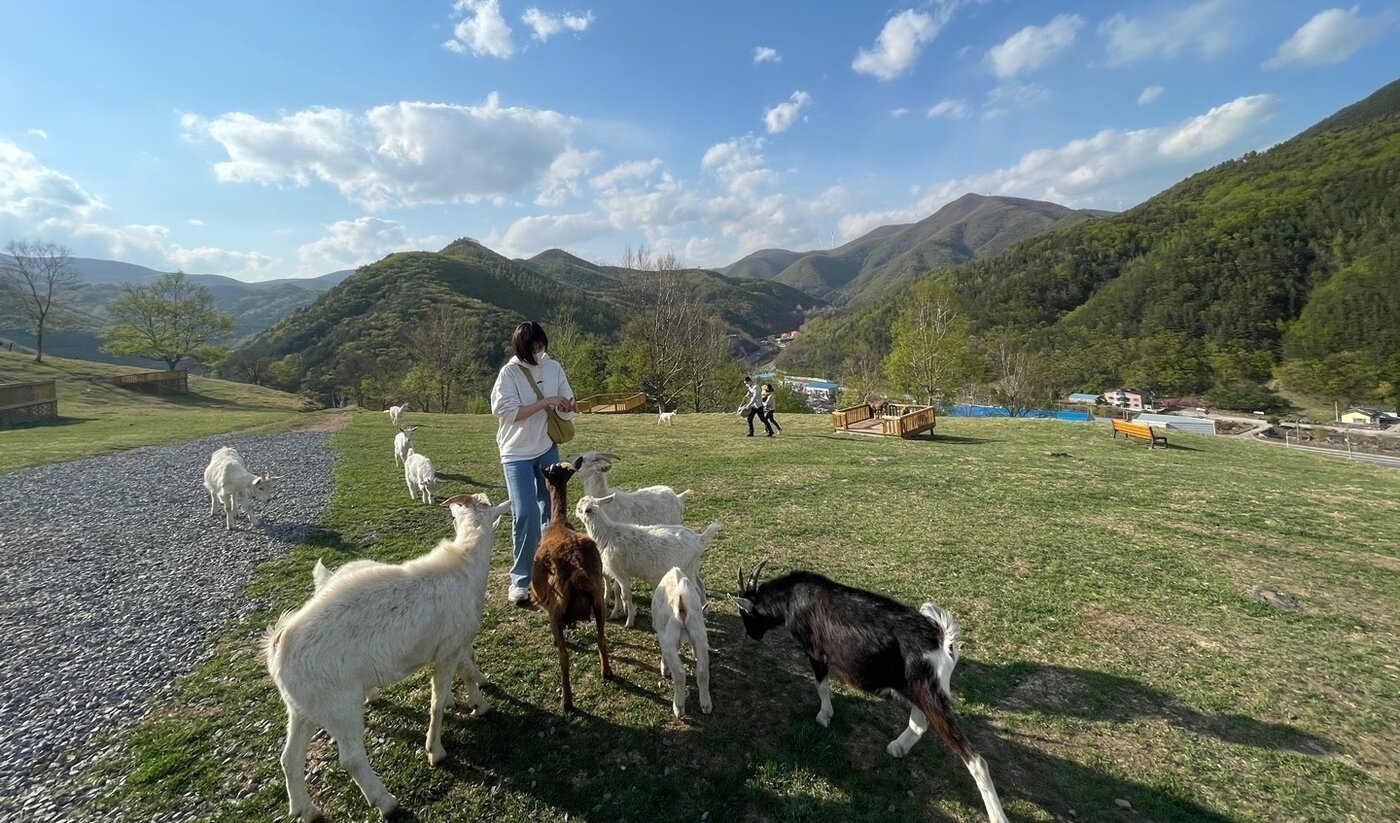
[1092, 695]
[469, 480]
[48, 423]
[932, 437]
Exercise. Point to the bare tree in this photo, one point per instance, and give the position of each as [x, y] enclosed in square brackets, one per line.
[448, 348]
[665, 342]
[35, 272]
[1018, 380]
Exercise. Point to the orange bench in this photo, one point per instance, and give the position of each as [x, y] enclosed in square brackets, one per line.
[1142, 431]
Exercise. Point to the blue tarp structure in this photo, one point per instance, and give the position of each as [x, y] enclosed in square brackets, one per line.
[967, 410]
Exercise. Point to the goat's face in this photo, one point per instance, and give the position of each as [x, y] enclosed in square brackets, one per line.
[561, 472]
[598, 462]
[757, 620]
[588, 507]
[475, 511]
[262, 487]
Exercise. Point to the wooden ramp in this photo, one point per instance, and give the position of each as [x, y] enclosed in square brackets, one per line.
[612, 403]
[899, 420]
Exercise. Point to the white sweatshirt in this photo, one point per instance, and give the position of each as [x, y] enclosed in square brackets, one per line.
[529, 438]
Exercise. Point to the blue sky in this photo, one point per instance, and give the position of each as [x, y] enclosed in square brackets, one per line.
[263, 140]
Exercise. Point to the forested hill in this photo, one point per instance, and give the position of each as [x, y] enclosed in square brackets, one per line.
[1277, 263]
[890, 257]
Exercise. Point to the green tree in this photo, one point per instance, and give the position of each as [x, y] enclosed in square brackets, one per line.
[171, 319]
[32, 275]
[931, 359]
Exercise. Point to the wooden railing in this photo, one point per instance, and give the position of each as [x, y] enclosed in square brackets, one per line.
[612, 403]
[155, 382]
[843, 418]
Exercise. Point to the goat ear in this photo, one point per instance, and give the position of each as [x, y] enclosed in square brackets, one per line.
[607, 499]
[744, 604]
[609, 456]
[576, 462]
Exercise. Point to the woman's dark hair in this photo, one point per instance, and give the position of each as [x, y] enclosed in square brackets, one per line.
[768, 386]
[527, 336]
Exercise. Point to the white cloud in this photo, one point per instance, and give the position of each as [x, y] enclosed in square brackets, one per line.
[1150, 94]
[39, 133]
[196, 222]
[780, 118]
[1098, 170]
[351, 243]
[898, 113]
[529, 236]
[763, 54]
[1034, 46]
[900, 42]
[546, 25]
[1330, 36]
[34, 195]
[210, 259]
[1205, 27]
[482, 30]
[562, 181]
[1002, 99]
[403, 154]
[952, 109]
[632, 170]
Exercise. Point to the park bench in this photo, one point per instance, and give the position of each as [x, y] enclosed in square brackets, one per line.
[1142, 431]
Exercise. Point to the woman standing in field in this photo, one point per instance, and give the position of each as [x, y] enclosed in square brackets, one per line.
[770, 406]
[527, 386]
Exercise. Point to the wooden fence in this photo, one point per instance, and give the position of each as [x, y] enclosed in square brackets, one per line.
[612, 403]
[899, 420]
[26, 402]
[155, 382]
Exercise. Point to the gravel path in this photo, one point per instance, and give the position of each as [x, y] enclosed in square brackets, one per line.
[113, 578]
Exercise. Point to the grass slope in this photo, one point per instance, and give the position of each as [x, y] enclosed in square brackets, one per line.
[1109, 654]
[96, 417]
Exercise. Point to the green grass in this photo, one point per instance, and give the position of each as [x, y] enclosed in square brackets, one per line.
[96, 417]
[1109, 652]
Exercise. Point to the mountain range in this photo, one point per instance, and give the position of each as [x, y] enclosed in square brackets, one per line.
[972, 227]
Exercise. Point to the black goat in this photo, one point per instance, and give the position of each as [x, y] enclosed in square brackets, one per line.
[875, 644]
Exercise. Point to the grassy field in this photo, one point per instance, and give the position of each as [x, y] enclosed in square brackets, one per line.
[96, 417]
[1110, 656]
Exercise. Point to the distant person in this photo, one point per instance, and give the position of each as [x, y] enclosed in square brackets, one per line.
[528, 384]
[770, 407]
[753, 406]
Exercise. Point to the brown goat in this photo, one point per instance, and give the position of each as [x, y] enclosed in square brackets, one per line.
[567, 579]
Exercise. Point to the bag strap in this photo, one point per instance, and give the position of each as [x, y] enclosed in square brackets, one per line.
[531, 380]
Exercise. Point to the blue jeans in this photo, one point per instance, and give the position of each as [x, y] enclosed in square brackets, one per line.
[529, 507]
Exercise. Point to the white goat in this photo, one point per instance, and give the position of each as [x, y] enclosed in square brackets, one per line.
[665, 417]
[418, 473]
[229, 482]
[678, 616]
[646, 552]
[396, 414]
[644, 507]
[403, 444]
[373, 626]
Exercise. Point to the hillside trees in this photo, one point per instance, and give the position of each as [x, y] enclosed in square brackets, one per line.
[33, 275]
[931, 359]
[171, 319]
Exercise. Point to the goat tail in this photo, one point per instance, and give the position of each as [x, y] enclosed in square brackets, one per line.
[948, 627]
[710, 532]
[272, 643]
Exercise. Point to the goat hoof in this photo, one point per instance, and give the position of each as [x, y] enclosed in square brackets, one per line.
[896, 750]
[310, 814]
[824, 720]
[707, 707]
[481, 708]
[388, 807]
[607, 674]
[436, 757]
[567, 708]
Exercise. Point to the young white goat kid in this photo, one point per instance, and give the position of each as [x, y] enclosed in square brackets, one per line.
[229, 482]
[396, 414]
[678, 616]
[666, 418]
[648, 506]
[418, 473]
[403, 444]
[645, 552]
[372, 626]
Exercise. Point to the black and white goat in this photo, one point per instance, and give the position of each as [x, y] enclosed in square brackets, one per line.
[875, 644]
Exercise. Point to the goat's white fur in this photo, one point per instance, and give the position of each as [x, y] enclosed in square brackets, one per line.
[678, 616]
[229, 482]
[372, 626]
[403, 444]
[396, 414]
[644, 507]
[418, 473]
[645, 552]
[666, 417]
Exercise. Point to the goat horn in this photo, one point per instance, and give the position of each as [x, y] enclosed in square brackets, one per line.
[741, 578]
[753, 579]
